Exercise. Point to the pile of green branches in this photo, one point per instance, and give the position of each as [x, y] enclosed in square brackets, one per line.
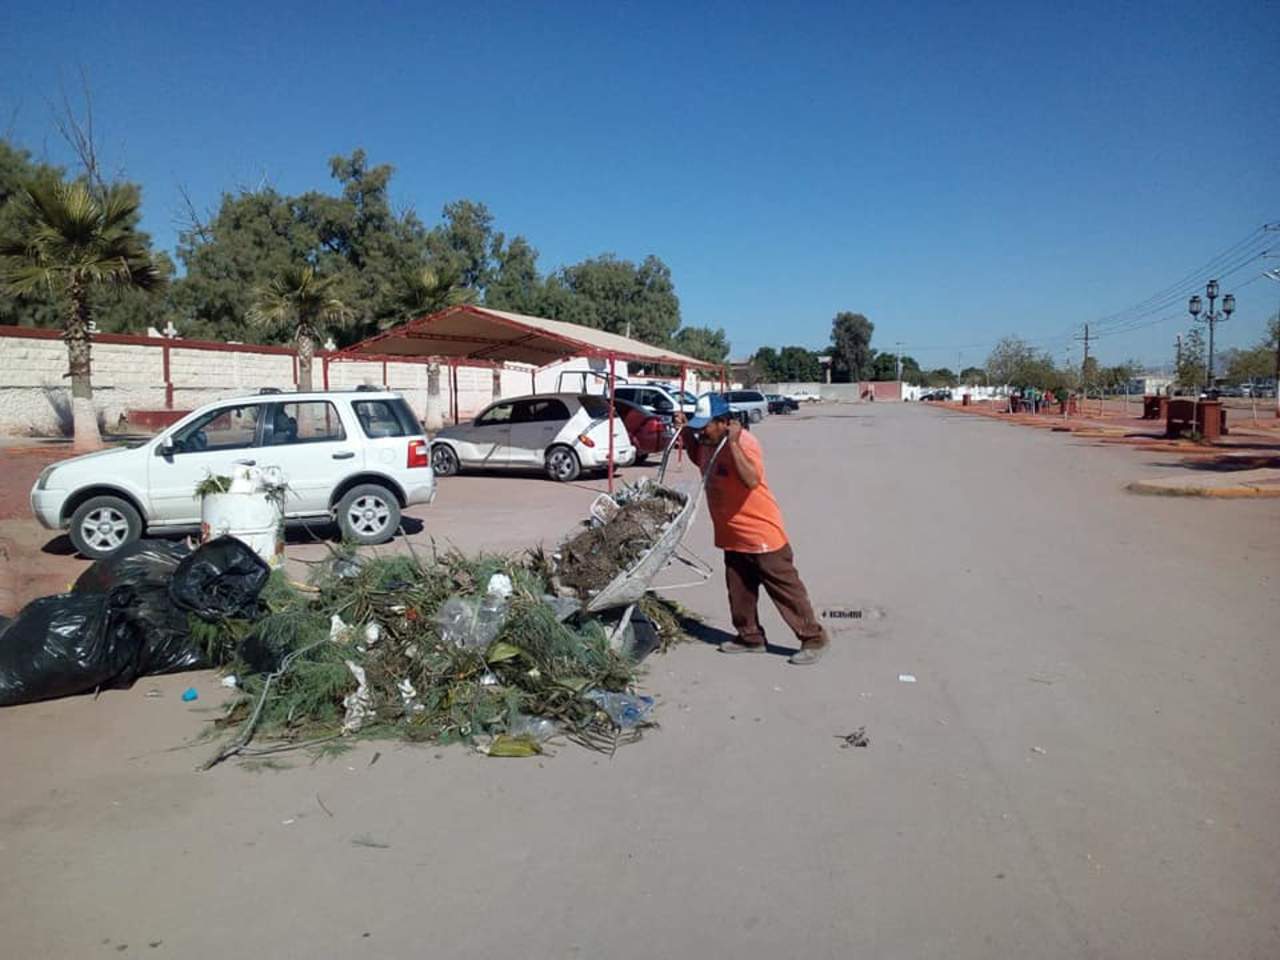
[295, 673]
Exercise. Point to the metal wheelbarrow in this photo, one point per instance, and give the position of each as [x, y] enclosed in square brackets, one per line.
[631, 584]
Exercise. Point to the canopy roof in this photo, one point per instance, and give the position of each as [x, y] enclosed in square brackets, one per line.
[479, 334]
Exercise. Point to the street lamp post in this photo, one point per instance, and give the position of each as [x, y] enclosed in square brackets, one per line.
[1212, 318]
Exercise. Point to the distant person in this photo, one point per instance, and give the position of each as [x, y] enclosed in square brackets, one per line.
[748, 528]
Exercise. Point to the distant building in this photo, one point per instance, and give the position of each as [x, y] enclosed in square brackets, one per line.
[1150, 384]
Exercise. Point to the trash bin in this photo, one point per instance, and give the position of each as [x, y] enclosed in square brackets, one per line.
[964, 400]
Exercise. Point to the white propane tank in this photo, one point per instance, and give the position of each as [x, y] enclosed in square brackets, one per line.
[248, 513]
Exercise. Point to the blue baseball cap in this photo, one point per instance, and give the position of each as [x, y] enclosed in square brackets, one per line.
[711, 406]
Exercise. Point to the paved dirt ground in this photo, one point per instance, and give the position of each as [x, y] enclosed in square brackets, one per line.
[1085, 766]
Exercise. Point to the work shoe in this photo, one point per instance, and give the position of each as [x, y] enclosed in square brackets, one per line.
[806, 655]
[733, 646]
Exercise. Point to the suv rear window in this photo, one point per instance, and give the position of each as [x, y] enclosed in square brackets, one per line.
[387, 418]
[745, 396]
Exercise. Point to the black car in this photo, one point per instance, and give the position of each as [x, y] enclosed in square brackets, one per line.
[780, 404]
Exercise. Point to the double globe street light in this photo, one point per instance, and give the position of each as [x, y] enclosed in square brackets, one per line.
[1212, 318]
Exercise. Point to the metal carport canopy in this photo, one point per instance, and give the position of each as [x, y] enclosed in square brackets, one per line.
[467, 332]
[472, 334]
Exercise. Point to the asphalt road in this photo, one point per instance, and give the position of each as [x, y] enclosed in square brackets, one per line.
[1084, 767]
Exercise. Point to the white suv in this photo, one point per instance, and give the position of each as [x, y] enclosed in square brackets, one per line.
[560, 433]
[355, 457]
[657, 398]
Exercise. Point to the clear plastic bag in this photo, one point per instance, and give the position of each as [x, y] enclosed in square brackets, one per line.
[624, 709]
[470, 623]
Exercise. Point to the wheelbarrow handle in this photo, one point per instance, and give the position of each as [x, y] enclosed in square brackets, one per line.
[666, 457]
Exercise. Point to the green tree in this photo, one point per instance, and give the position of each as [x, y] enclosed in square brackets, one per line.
[426, 290]
[767, 364]
[70, 243]
[799, 365]
[355, 239]
[514, 283]
[302, 302]
[18, 172]
[466, 240]
[1089, 374]
[850, 346]
[704, 343]
[1191, 370]
[618, 296]
[1010, 360]
[973, 375]
[941, 377]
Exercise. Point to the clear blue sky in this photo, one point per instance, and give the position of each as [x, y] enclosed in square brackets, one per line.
[955, 171]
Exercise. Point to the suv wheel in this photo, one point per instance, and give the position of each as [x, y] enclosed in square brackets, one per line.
[756, 415]
[368, 514]
[443, 460]
[102, 525]
[562, 464]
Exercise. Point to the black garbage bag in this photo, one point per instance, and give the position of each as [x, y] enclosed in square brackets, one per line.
[141, 562]
[146, 567]
[220, 580]
[167, 645]
[67, 644]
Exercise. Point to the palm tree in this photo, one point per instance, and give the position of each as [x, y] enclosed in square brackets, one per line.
[303, 301]
[72, 241]
[424, 290]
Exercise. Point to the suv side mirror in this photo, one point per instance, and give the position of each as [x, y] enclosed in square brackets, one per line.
[166, 448]
[664, 406]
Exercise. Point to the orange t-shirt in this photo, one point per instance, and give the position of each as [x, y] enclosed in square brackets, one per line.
[745, 520]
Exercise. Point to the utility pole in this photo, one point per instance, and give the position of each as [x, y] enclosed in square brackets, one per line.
[1084, 363]
[898, 344]
[1177, 363]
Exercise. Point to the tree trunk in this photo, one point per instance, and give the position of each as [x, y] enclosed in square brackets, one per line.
[306, 350]
[84, 418]
[435, 407]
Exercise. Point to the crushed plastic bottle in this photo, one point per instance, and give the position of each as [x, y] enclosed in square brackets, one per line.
[500, 586]
[626, 710]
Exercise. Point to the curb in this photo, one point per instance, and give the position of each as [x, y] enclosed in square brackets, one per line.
[1219, 493]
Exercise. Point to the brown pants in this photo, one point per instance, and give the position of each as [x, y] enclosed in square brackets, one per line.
[746, 572]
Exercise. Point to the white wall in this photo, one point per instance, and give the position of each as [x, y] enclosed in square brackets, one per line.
[35, 395]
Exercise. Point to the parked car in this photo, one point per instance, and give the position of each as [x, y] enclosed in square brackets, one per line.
[650, 432]
[655, 399]
[688, 401]
[562, 434]
[750, 402]
[804, 396]
[935, 395]
[357, 457]
[780, 404]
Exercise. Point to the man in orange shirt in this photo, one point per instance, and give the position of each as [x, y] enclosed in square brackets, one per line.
[748, 528]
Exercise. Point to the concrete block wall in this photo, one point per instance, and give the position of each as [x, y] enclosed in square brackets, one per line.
[35, 396]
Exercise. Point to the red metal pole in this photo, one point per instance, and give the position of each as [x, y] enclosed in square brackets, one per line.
[384, 374]
[613, 387]
[168, 381]
[324, 366]
[533, 380]
[453, 378]
[680, 407]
